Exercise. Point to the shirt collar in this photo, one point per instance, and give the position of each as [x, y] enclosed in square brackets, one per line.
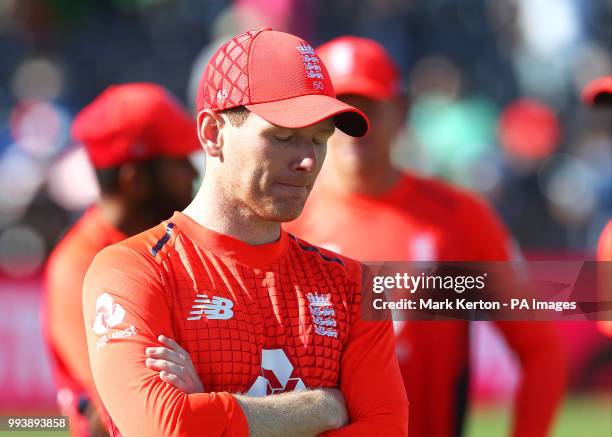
[244, 253]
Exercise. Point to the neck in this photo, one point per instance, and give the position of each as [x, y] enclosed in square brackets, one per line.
[130, 221]
[227, 217]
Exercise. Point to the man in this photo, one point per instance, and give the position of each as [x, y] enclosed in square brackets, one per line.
[259, 312]
[604, 253]
[598, 93]
[366, 208]
[144, 176]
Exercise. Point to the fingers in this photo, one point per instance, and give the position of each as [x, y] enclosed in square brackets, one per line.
[173, 352]
[175, 364]
[176, 375]
[163, 364]
[174, 380]
[163, 353]
[169, 373]
[171, 344]
[183, 361]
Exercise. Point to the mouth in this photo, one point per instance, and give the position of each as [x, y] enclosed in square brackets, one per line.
[294, 188]
[294, 185]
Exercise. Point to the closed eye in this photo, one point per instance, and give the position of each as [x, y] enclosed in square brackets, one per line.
[283, 138]
[318, 142]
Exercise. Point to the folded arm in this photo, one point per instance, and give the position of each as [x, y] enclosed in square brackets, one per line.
[125, 307]
[301, 414]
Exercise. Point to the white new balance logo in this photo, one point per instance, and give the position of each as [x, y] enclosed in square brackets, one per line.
[217, 308]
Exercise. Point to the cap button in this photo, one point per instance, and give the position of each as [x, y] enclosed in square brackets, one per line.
[265, 28]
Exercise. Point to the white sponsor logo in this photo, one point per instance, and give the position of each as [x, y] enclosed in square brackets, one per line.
[323, 314]
[116, 334]
[277, 375]
[108, 314]
[217, 308]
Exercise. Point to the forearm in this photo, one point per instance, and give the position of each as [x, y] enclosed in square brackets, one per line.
[296, 414]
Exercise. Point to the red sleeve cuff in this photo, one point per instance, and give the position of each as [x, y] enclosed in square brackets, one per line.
[218, 414]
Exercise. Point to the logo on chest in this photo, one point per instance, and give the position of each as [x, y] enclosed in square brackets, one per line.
[323, 314]
[277, 375]
[217, 308]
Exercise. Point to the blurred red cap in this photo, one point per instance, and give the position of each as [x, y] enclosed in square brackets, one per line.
[134, 122]
[598, 91]
[361, 66]
[277, 76]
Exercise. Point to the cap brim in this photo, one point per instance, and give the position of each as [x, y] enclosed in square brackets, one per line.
[362, 86]
[598, 92]
[303, 111]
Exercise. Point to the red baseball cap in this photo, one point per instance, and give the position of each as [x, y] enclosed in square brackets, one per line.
[361, 66]
[598, 91]
[134, 122]
[279, 77]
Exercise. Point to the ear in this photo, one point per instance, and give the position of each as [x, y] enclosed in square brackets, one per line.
[210, 124]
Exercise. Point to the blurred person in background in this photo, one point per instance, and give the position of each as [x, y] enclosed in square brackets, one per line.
[138, 138]
[604, 253]
[366, 208]
[598, 93]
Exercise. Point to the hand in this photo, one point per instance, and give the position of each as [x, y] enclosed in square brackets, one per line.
[174, 366]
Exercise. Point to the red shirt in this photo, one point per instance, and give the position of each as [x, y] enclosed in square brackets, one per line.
[604, 245]
[62, 311]
[420, 220]
[255, 319]
[604, 253]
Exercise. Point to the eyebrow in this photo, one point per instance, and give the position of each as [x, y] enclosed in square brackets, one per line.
[273, 128]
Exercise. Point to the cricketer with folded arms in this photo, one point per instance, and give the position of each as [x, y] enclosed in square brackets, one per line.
[259, 311]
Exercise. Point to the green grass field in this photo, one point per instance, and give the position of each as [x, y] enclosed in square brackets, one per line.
[584, 417]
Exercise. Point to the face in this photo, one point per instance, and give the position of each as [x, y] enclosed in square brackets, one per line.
[351, 155]
[270, 170]
[171, 185]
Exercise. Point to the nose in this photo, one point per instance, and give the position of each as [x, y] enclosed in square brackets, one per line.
[307, 160]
